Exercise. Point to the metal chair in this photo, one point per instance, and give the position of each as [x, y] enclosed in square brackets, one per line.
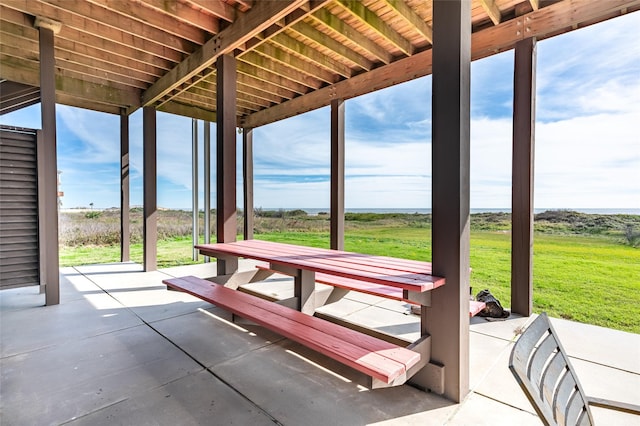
[542, 368]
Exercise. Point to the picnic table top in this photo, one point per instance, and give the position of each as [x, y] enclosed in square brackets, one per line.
[407, 274]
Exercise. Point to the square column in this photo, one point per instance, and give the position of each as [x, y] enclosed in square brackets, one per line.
[47, 146]
[447, 320]
[149, 182]
[125, 232]
[337, 174]
[524, 107]
[247, 181]
[226, 214]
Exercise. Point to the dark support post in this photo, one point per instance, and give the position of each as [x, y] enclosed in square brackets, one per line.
[247, 172]
[226, 219]
[337, 174]
[50, 182]
[125, 232]
[522, 177]
[150, 208]
[447, 320]
[195, 225]
[207, 185]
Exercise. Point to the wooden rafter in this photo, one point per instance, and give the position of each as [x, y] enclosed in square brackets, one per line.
[492, 10]
[293, 45]
[322, 39]
[153, 18]
[279, 55]
[239, 32]
[335, 24]
[265, 86]
[282, 70]
[221, 9]
[270, 77]
[412, 17]
[535, 4]
[92, 32]
[190, 15]
[377, 24]
[28, 72]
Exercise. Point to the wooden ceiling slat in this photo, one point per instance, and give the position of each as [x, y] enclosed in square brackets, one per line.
[93, 19]
[373, 21]
[492, 10]
[412, 18]
[244, 28]
[187, 14]
[89, 104]
[270, 77]
[92, 51]
[264, 86]
[28, 72]
[97, 34]
[69, 61]
[206, 89]
[188, 111]
[349, 33]
[221, 9]
[325, 40]
[141, 12]
[285, 58]
[284, 71]
[286, 42]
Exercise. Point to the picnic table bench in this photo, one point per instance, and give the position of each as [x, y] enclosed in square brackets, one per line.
[385, 363]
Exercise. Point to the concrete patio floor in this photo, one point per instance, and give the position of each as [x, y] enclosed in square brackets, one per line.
[121, 349]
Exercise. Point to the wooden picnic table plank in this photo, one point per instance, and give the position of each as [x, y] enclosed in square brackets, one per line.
[365, 259]
[406, 265]
[374, 357]
[326, 261]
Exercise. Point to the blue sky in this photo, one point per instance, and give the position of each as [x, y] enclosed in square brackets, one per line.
[587, 152]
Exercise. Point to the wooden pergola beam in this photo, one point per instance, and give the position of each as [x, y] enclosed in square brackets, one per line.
[247, 26]
[537, 24]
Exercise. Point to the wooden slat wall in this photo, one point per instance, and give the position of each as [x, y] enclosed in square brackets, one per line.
[19, 258]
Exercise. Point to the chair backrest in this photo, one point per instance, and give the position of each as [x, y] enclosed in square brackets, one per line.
[542, 368]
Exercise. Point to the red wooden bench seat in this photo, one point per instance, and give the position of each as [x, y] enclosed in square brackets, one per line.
[376, 358]
[388, 292]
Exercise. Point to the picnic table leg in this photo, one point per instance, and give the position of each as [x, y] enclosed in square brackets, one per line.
[226, 265]
[430, 375]
[304, 290]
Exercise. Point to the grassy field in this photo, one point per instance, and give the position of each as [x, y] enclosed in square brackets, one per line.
[586, 267]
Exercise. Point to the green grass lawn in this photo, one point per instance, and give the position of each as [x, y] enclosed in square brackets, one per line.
[583, 278]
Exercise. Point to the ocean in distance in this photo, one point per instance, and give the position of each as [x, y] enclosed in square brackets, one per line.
[315, 211]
